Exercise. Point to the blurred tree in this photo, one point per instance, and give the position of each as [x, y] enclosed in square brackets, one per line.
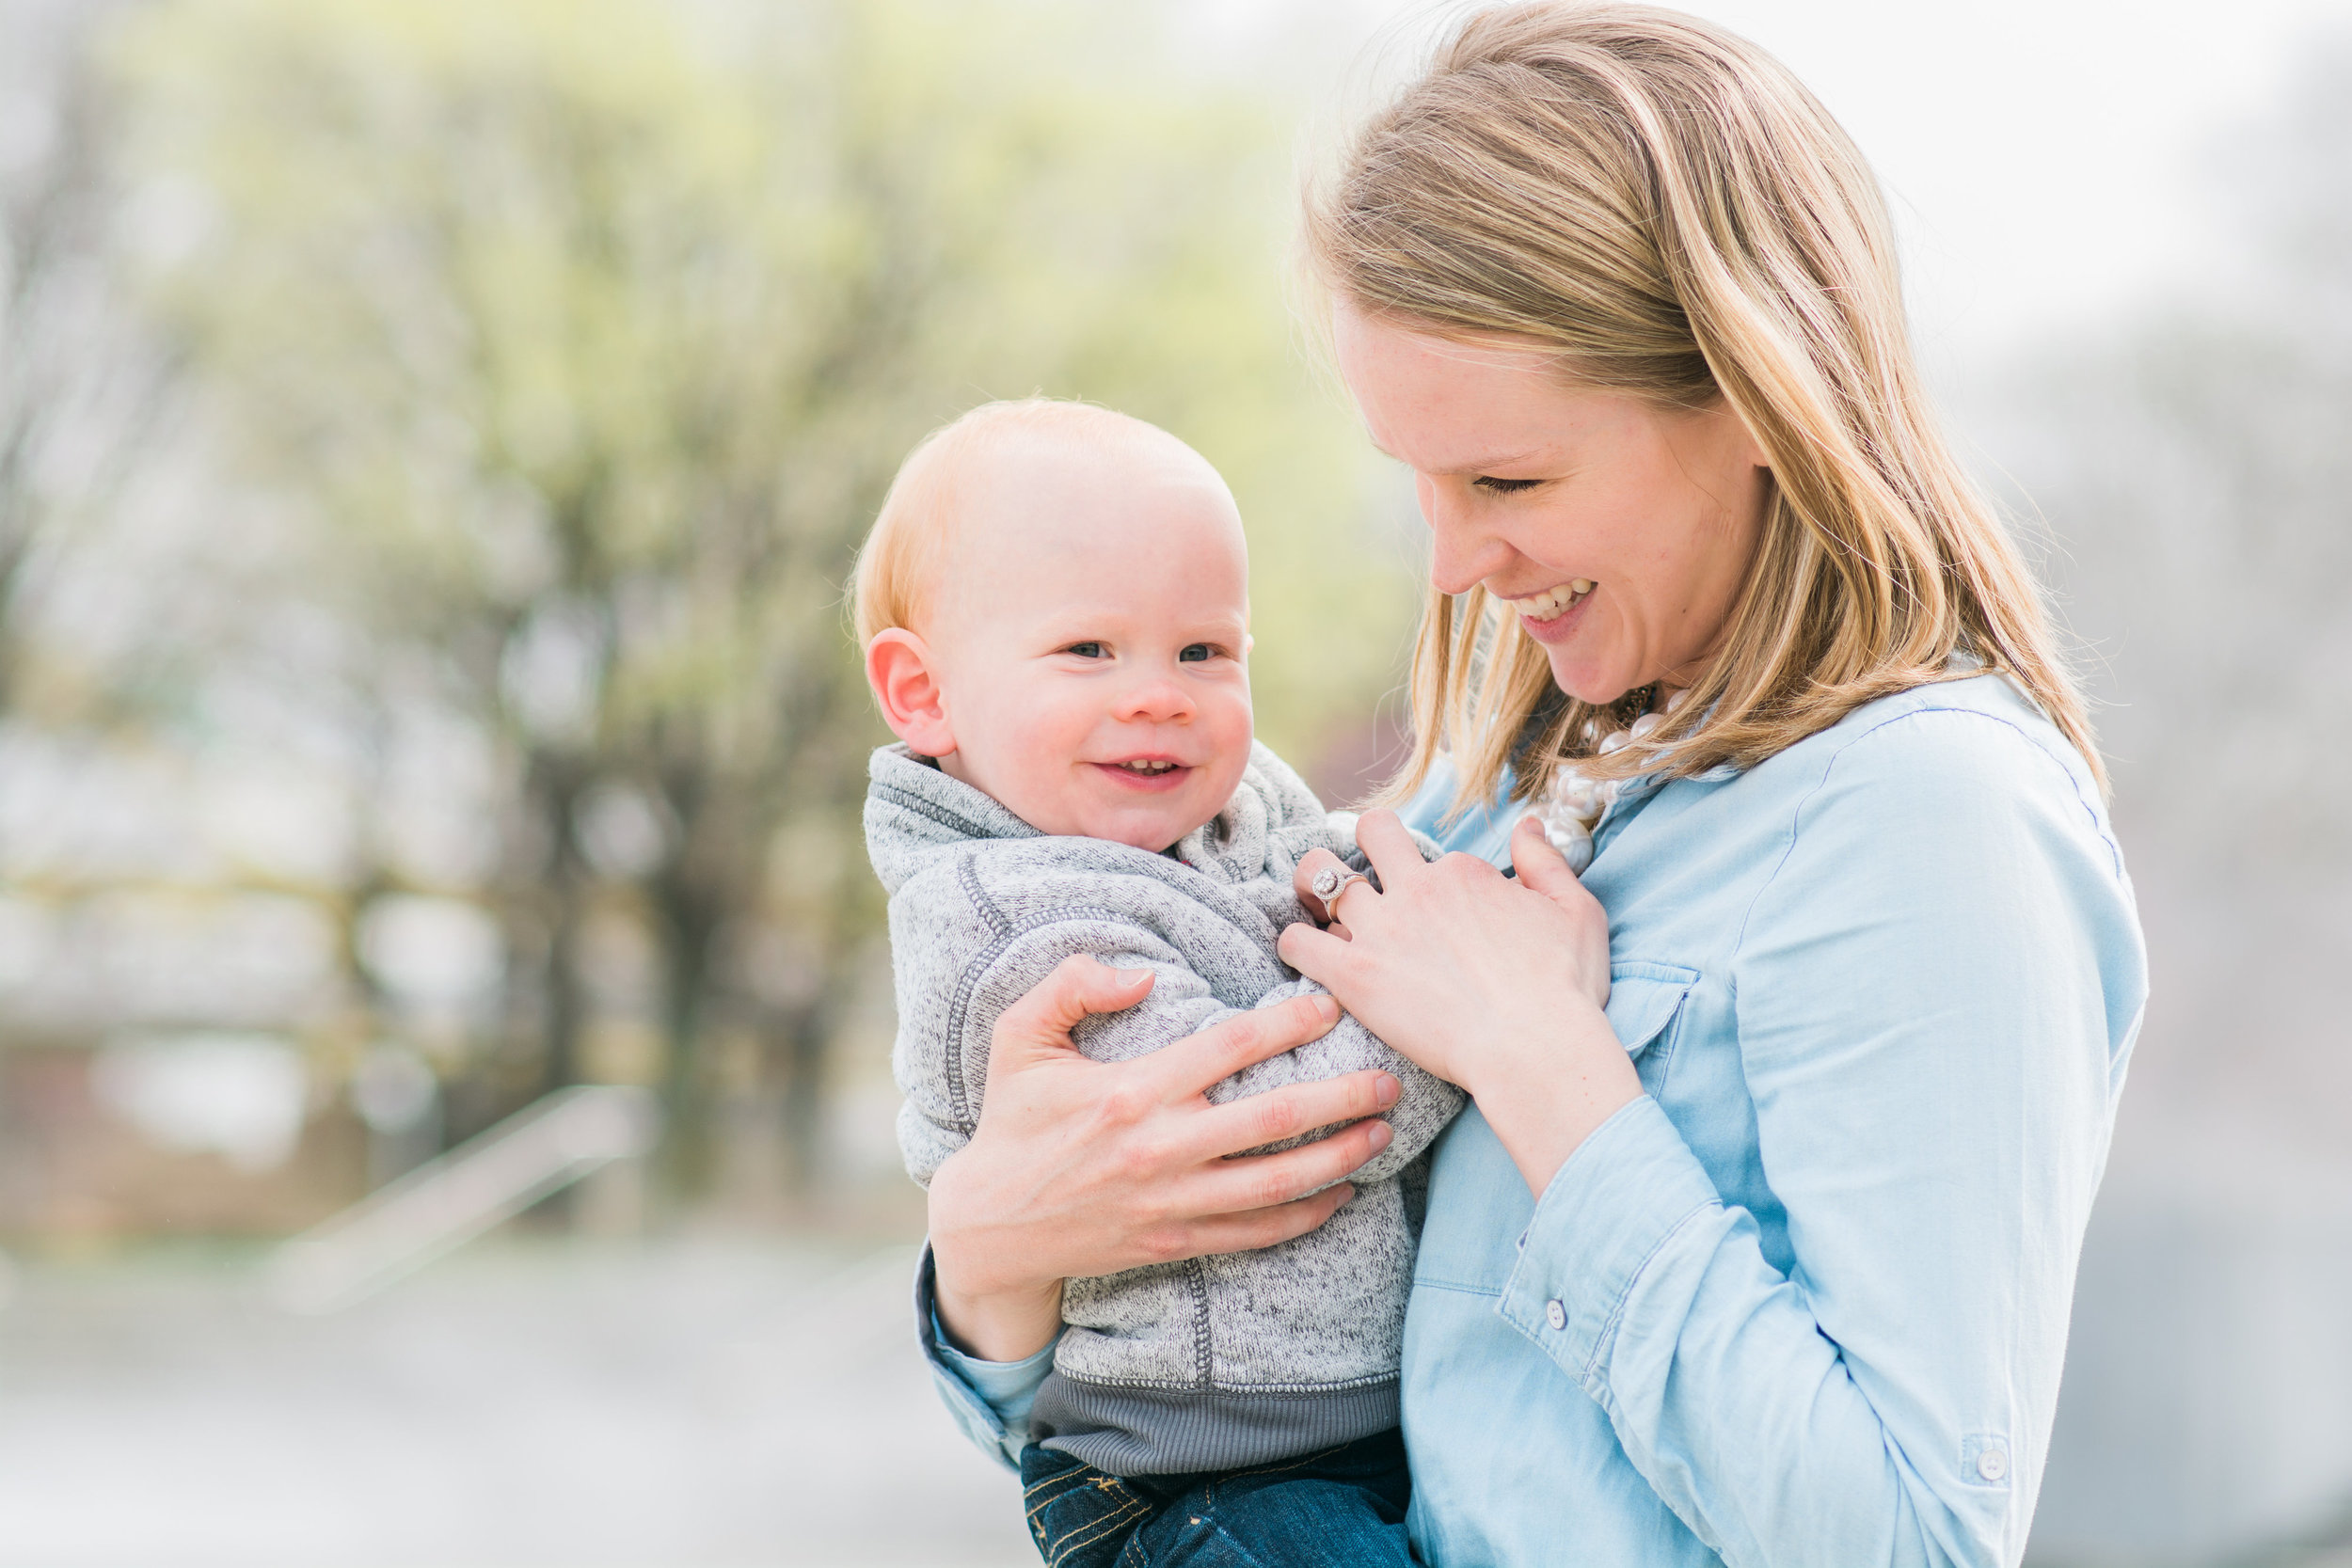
[590, 334]
[75, 386]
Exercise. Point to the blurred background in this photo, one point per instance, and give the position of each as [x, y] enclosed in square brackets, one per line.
[432, 440]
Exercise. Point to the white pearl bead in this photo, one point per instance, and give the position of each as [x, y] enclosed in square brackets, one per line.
[1645, 723]
[1571, 839]
[1579, 797]
[1678, 699]
[1616, 741]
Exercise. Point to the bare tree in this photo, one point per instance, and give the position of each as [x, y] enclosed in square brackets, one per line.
[76, 382]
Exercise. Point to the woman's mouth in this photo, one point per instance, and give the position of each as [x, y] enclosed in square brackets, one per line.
[1546, 615]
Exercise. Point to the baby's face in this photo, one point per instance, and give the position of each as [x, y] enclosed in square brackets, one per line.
[1088, 637]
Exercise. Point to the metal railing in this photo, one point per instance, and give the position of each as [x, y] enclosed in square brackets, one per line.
[448, 1201]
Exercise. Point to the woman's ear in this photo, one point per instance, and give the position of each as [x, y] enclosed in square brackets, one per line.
[899, 668]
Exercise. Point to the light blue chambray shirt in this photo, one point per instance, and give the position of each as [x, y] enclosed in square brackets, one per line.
[1805, 1301]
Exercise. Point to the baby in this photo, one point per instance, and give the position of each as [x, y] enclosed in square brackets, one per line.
[1054, 605]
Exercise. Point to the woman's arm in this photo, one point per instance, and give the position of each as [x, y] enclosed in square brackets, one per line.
[1933, 992]
[1083, 1168]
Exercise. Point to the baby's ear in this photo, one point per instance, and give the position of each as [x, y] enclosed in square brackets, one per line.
[899, 668]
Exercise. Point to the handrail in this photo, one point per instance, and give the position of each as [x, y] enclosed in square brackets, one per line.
[448, 1200]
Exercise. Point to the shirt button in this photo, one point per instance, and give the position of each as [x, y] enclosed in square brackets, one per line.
[1557, 1316]
[1993, 1464]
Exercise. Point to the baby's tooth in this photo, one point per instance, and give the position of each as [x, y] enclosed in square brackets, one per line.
[1580, 586]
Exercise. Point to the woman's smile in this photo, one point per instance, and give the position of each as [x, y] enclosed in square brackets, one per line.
[1552, 616]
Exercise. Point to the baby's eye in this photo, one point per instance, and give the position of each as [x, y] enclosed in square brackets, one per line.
[1194, 653]
[1505, 487]
[1085, 650]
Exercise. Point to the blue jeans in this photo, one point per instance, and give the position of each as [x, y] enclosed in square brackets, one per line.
[1342, 1507]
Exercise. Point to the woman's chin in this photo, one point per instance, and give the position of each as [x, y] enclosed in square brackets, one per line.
[1586, 681]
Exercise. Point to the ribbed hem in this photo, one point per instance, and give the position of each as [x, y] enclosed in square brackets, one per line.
[1168, 1432]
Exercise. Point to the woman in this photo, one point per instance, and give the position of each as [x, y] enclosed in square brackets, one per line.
[1758, 1243]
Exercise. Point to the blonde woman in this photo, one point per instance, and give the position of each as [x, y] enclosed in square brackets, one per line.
[1758, 1244]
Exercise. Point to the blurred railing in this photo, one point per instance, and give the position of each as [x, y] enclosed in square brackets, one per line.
[448, 1201]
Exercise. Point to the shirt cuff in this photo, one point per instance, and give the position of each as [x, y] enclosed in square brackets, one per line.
[989, 1400]
[1606, 1216]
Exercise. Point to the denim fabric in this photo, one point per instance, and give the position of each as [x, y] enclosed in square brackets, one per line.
[1803, 1303]
[1342, 1507]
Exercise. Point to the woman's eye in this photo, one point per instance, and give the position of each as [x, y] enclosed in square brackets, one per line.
[1085, 650]
[1193, 653]
[1505, 487]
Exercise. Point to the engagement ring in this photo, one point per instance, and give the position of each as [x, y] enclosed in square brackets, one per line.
[1330, 883]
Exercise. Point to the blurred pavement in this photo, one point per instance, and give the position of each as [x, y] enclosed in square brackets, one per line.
[692, 1404]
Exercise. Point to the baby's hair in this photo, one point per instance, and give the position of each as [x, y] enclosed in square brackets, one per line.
[898, 565]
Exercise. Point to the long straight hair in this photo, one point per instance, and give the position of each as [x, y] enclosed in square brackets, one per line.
[1669, 213]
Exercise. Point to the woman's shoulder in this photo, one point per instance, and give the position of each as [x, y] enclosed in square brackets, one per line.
[1971, 755]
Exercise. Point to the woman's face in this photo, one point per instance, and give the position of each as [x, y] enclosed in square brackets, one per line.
[1619, 533]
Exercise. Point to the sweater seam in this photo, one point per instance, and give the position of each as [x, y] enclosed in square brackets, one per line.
[932, 811]
[959, 1005]
[1203, 1343]
[1375, 1380]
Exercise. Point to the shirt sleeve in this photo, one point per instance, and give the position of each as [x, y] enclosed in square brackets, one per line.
[989, 1400]
[1934, 994]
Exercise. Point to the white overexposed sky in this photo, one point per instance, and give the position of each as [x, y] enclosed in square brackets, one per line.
[2047, 160]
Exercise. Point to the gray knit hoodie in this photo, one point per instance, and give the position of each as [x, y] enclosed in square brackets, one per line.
[1218, 1362]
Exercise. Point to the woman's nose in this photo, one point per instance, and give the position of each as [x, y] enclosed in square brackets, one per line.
[1462, 554]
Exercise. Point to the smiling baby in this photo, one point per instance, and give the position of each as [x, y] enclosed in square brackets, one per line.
[1054, 605]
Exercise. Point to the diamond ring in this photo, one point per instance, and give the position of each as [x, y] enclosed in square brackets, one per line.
[1331, 882]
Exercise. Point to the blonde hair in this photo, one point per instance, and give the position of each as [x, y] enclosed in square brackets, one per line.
[1664, 209]
[898, 565]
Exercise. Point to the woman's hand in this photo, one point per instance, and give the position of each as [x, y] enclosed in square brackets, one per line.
[1082, 1168]
[1493, 985]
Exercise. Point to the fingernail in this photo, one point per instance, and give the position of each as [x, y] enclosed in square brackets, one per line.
[1382, 1136]
[1132, 976]
[1327, 1009]
[1386, 1089]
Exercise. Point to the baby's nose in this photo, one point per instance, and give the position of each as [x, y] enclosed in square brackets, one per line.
[1158, 699]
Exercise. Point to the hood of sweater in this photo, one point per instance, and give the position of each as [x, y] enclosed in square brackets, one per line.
[914, 813]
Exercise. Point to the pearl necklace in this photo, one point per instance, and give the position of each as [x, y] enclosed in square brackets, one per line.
[1572, 805]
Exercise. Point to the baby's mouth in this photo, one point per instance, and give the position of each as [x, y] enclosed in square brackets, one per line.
[1147, 772]
[1553, 603]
